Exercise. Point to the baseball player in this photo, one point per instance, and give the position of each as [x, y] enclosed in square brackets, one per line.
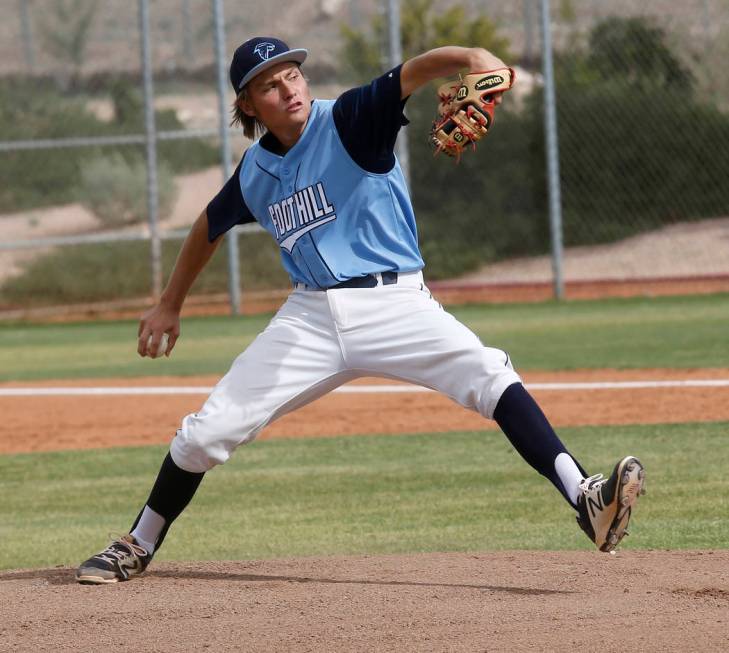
[323, 180]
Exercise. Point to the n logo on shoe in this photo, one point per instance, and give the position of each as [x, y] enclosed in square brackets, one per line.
[129, 565]
[595, 506]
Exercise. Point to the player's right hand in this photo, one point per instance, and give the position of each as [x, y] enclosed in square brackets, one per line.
[157, 320]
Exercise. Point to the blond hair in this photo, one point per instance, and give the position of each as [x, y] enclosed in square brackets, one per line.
[252, 127]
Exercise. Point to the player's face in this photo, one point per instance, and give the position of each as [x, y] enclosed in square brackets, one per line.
[279, 97]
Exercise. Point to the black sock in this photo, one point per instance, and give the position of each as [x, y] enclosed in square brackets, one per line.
[172, 491]
[529, 431]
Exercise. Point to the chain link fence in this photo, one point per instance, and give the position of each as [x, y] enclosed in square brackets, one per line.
[644, 140]
[643, 143]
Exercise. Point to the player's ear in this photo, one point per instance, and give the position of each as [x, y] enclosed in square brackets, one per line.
[245, 105]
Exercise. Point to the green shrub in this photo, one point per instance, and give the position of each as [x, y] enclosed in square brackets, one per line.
[181, 155]
[636, 162]
[115, 189]
[34, 178]
[488, 206]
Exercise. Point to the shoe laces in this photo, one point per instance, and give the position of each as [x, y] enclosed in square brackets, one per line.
[592, 483]
[119, 549]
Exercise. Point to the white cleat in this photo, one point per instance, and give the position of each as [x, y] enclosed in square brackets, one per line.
[605, 506]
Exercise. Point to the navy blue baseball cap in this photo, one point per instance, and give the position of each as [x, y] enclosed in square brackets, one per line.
[259, 54]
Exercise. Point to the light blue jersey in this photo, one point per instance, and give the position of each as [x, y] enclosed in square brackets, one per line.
[332, 219]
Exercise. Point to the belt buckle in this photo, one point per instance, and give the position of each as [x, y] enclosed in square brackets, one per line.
[388, 278]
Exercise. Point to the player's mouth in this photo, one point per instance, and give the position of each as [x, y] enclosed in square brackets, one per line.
[294, 107]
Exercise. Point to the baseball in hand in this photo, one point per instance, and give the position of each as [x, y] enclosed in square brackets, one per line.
[161, 349]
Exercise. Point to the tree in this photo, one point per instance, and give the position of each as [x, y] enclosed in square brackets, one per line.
[66, 27]
[422, 28]
[632, 50]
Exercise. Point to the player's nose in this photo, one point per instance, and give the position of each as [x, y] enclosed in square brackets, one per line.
[288, 89]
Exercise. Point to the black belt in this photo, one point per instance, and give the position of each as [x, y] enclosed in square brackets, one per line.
[368, 281]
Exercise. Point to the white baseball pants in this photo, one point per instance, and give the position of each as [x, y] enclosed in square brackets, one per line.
[319, 340]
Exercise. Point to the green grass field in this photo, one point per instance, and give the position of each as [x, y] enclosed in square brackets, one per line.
[405, 493]
[677, 332]
[375, 494]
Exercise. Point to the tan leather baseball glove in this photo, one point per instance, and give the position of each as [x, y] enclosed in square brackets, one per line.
[466, 109]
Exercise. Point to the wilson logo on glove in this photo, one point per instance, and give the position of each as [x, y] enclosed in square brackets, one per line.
[488, 82]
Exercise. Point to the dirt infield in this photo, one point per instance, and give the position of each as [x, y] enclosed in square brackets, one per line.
[43, 423]
[517, 601]
[506, 601]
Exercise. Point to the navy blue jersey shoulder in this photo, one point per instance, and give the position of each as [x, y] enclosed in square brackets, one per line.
[368, 118]
[228, 208]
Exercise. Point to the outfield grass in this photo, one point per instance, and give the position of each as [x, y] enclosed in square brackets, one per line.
[624, 333]
[463, 491]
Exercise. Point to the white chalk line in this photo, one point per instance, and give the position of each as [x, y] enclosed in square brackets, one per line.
[356, 389]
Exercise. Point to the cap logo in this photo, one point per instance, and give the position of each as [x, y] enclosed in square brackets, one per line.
[264, 50]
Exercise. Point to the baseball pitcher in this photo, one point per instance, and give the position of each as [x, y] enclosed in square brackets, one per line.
[323, 180]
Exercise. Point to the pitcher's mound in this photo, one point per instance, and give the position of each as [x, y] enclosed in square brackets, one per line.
[586, 601]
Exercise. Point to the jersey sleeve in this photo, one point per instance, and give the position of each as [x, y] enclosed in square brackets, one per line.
[228, 208]
[368, 119]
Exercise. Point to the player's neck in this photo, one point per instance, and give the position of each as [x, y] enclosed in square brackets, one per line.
[287, 138]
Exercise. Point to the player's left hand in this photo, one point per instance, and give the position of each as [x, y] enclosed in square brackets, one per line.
[466, 109]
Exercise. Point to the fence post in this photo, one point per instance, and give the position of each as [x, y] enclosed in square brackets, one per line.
[395, 58]
[552, 143]
[187, 48]
[26, 32]
[150, 132]
[232, 237]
